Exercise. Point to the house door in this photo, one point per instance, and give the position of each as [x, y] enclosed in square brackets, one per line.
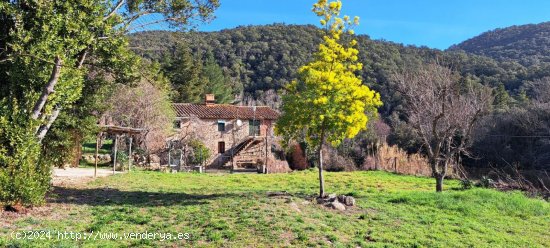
[254, 127]
[221, 147]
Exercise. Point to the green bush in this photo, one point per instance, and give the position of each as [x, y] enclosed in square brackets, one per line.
[466, 183]
[200, 152]
[24, 178]
[486, 182]
[121, 159]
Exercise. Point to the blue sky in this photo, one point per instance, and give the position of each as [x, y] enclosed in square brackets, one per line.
[432, 23]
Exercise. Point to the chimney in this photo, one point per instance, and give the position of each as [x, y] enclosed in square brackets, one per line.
[209, 99]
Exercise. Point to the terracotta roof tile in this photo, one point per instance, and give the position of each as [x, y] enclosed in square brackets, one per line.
[224, 111]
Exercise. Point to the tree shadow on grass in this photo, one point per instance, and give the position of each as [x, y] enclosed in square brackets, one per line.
[113, 197]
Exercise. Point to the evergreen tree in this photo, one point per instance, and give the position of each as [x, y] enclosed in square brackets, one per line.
[216, 82]
[184, 71]
[502, 98]
[522, 99]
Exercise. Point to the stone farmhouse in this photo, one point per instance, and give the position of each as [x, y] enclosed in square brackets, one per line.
[238, 137]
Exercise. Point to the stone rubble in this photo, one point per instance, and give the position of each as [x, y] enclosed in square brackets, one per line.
[338, 202]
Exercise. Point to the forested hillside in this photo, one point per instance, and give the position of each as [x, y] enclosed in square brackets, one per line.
[526, 44]
[266, 57]
[261, 59]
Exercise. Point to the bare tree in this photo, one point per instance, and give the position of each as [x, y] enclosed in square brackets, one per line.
[144, 106]
[539, 89]
[442, 111]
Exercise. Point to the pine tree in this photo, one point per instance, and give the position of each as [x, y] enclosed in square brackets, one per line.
[502, 98]
[216, 82]
[522, 99]
[184, 71]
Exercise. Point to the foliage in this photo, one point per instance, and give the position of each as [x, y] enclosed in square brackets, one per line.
[328, 101]
[24, 178]
[296, 157]
[365, 144]
[192, 76]
[216, 82]
[145, 105]
[328, 96]
[78, 123]
[442, 111]
[516, 136]
[200, 152]
[255, 58]
[266, 59]
[521, 43]
[234, 210]
[46, 50]
[466, 183]
[184, 72]
[486, 182]
[502, 99]
[121, 159]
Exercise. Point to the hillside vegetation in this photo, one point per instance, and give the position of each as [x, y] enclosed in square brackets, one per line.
[526, 44]
[266, 57]
[261, 60]
[235, 210]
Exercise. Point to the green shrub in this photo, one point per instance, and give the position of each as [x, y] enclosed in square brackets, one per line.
[24, 178]
[466, 183]
[121, 159]
[200, 152]
[486, 182]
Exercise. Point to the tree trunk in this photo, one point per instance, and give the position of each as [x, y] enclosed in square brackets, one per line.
[376, 156]
[439, 182]
[76, 138]
[321, 179]
[43, 130]
[320, 153]
[47, 90]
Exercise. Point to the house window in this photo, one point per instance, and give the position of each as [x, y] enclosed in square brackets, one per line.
[221, 147]
[177, 124]
[221, 126]
[254, 127]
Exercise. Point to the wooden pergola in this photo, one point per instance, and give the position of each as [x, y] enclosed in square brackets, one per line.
[117, 131]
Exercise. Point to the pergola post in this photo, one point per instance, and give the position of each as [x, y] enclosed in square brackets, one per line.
[118, 131]
[130, 155]
[181, 160]
[114, 157]
[169, 157]
[96, 155]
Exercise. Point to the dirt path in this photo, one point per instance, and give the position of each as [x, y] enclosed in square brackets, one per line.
[77, 176]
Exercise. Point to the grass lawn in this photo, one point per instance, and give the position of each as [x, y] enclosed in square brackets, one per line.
[89, 147]
[236, 211]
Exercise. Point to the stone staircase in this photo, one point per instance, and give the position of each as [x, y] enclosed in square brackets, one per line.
[247, 153]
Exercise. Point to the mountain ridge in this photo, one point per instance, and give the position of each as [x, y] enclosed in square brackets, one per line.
[527, 44]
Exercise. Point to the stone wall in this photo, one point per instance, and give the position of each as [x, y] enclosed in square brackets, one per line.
[206, 130]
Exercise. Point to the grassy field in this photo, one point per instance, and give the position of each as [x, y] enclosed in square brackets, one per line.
[235, 211]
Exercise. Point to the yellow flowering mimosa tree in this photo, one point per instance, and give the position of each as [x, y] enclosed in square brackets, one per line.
[328, 102]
